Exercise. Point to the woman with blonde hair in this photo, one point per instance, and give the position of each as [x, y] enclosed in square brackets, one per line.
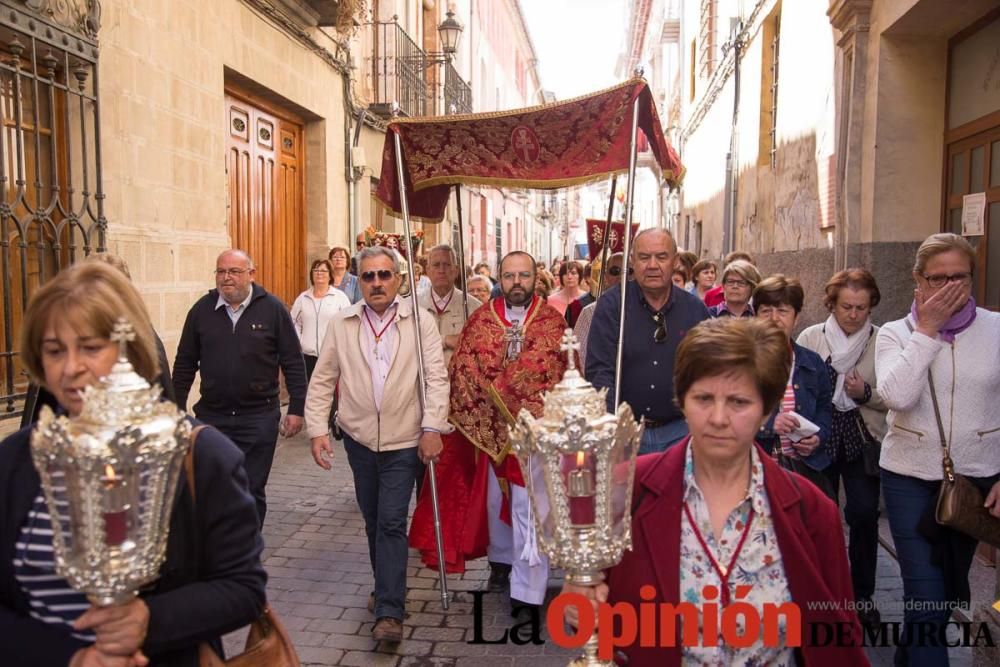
[212, 581]
[938, 372]
[739, 279]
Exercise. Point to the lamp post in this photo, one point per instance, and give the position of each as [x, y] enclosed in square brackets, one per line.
[449, 31]
[546, 217]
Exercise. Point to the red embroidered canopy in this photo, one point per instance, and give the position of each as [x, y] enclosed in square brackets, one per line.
[545, 147]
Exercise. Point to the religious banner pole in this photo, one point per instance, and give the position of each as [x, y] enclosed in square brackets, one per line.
[461, 254]
[628, 244]
[607, 237]
[405, 209]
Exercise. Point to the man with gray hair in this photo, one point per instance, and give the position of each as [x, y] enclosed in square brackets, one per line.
[443, 300]
[371, 350]
[238, 336]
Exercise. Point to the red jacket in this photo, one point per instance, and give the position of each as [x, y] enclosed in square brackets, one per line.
[810, 537]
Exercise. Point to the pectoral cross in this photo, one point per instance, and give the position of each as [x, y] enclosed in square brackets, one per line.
[514, 337]
[122, 333]
[570, 345]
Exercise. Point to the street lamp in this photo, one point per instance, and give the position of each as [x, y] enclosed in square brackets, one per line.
[449, 32]
[545, 217]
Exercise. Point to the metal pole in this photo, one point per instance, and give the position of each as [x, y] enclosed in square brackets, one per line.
[628, 250]
[607, 232]
[405, 208]
[461, 254]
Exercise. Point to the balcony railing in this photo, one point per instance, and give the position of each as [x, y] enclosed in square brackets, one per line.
[396, 71]
[400, 71]
[457, 93]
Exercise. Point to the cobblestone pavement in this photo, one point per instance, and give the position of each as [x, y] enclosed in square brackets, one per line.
[319, 581]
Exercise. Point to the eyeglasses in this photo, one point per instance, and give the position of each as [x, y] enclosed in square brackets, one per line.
[320, 270]
[660, 334]
[615, 270]
[736, 283]
[940, 281]
[236, 273]
[523, 275]
[383, 274]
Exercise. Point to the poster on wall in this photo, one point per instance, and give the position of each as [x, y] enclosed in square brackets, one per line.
[973, 214]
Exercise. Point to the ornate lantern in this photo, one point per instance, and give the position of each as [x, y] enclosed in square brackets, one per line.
[110, 477]
[579, 464]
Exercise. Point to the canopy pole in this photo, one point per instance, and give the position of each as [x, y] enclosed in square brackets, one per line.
[607, 238]
[461, 254]
[627, 250]
[405, 209]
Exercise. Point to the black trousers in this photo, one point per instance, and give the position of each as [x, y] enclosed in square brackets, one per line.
[861, 492]
[256, 434]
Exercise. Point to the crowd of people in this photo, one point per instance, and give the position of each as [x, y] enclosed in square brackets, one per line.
[756, 432]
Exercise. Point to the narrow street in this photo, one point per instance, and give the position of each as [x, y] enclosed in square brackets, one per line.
[319, 580]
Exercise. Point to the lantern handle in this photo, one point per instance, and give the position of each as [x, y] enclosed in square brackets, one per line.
[569, 345]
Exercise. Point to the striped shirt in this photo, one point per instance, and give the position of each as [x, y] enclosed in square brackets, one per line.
[49, 595]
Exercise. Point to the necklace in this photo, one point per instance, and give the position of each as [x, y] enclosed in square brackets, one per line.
[723, 571]
[378, 334]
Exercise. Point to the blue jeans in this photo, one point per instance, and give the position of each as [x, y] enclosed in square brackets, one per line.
[660, 439]
[383, 482]
[256, 435]
[861, 513]
[907, 499]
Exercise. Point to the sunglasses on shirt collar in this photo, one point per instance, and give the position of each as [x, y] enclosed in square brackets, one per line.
[615, 270]
[383, 274]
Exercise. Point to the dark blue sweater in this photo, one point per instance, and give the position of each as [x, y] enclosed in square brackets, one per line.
[647, 366]
[239, 367]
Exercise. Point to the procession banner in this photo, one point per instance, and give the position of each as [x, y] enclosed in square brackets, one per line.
[545, 147]
[616, 237]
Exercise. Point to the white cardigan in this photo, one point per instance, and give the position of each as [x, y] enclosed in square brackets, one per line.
[967, 382]
[312, 316]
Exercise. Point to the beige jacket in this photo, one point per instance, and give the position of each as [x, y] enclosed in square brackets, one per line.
[450, 322]
[873, 412]
[401, 421]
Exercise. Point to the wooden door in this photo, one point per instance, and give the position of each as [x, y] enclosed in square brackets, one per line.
[264, 168]
[974, 166]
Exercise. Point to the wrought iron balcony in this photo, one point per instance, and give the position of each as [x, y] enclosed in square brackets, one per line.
[399, 71]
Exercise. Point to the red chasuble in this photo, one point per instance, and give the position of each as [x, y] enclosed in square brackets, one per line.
[488, 390]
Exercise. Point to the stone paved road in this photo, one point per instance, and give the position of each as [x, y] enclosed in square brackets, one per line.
[316, 557]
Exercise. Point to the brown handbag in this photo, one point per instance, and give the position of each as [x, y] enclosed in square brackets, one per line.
[268, 644]
[960, 502]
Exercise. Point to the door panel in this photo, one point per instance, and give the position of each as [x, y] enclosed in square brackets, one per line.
[266, 196]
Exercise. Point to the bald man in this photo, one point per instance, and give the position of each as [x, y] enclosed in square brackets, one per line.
[238, 336]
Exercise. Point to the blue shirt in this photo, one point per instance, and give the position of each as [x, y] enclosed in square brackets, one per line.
[647, 366]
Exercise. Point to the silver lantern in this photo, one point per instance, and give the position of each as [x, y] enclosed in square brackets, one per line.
[109, 477]
[579, 464]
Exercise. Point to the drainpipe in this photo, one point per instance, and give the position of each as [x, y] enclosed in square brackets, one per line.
[732, 175]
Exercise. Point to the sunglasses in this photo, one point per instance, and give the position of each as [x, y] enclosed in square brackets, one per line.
[615, 270]
[383, 274]
[660, 334]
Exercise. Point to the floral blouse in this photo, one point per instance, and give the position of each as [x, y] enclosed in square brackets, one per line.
[758, 565]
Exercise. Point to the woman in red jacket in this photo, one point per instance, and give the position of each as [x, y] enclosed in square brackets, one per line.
[716, 521]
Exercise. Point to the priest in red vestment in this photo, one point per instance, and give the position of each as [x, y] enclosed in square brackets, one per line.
[507, 357]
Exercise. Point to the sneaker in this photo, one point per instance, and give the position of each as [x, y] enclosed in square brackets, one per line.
[371, 603]
[499, 580]
[387, 630]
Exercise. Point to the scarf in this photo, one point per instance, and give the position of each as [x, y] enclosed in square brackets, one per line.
[956, 324]
[845, 352]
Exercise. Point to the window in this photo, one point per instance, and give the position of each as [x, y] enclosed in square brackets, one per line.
[707, 38]
[767, 153]
[692, 69]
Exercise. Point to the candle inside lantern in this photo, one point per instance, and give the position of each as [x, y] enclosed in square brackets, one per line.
[115, 508]
[580, 491]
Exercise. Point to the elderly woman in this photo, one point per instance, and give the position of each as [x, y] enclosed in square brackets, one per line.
[846, 343]
[479, 287]
[703, 274]
[715, 513]
[340, 277]
[570, 277]
[212, 581]
[946, 347]
[739, 280]
[808, 392]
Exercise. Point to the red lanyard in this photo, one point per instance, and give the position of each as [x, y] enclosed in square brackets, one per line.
[378, 334]
[723, 572]
[440, 311]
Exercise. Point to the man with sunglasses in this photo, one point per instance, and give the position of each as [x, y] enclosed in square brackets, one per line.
[657, 318]
[371, 349]
[508, 355]
[238, 336]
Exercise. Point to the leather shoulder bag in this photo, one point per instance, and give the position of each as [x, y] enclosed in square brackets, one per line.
[960, 502]
[268, 643]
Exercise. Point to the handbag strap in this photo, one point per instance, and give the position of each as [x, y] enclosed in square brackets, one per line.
[189, 460]
[946, 463]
